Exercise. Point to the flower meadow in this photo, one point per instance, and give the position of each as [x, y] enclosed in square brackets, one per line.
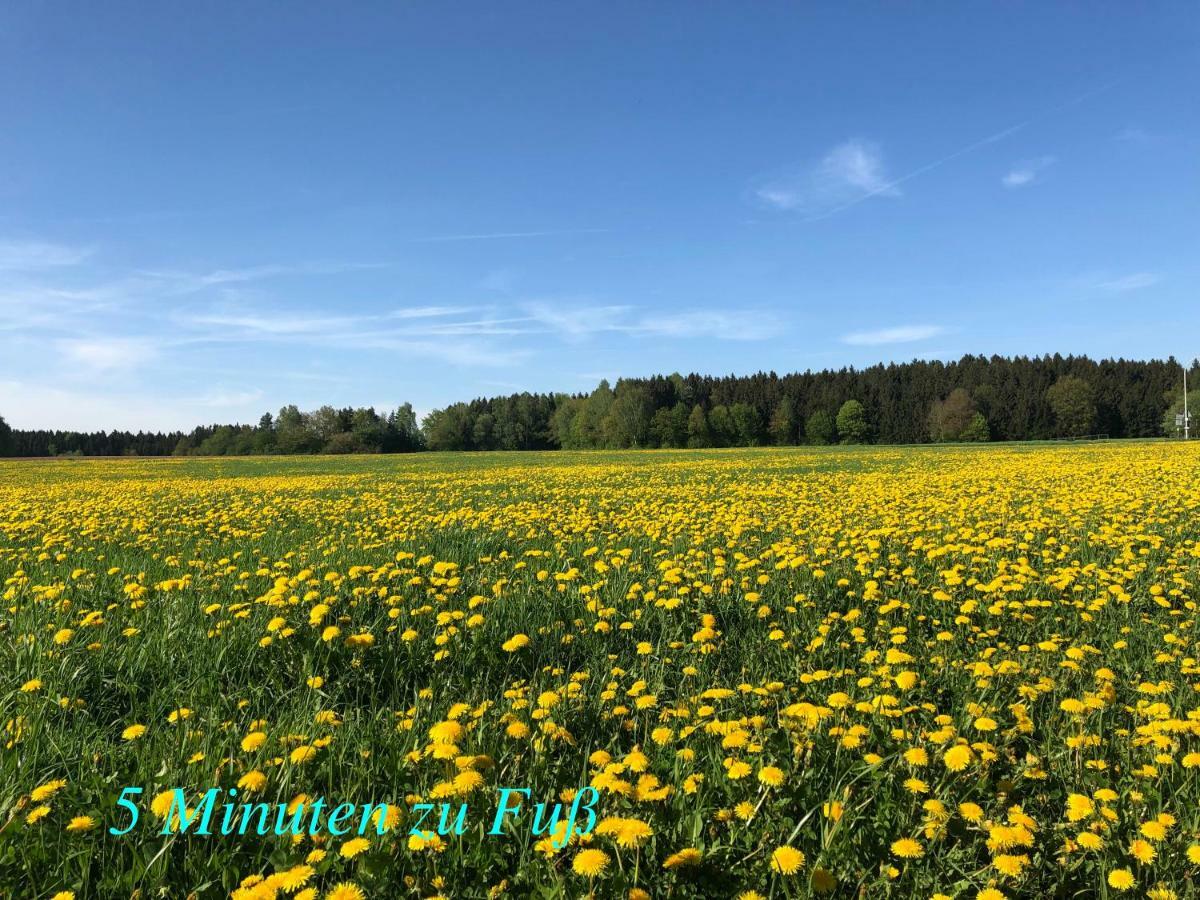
[884, 672]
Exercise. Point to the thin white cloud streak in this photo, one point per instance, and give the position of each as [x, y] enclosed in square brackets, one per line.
[271, 325]
[902, 334]
[502, 235]
[1027, 172]
[742, 327]
[1134, 282]
[426, 312]
[190, 282]
[28, 255]
[577, 323]
[1138, 137]
[422, 336]
[30, 307]
[251, 326]
[421, 333]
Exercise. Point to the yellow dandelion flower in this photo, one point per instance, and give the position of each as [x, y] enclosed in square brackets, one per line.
[682, 858]
[303, 754]
[907, 848]
[47, 790]
[1142, 851]
[1120, 879]
[787, 860]
[590, 863]
[957, 757]
[771, 776]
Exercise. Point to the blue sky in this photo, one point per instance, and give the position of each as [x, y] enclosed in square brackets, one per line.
[207, 210]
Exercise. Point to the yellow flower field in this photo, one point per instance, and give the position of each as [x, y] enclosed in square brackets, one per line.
[882, 672]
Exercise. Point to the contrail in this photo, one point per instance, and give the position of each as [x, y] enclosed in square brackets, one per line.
[970, 148]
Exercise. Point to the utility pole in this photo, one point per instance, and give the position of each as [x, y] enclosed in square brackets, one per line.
[1185, 409]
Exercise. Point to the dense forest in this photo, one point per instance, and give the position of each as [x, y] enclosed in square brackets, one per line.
[974, 399]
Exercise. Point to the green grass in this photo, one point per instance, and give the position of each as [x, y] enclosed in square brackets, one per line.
[1003, 578]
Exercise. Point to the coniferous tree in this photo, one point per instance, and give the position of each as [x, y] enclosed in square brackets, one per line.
[819, 429]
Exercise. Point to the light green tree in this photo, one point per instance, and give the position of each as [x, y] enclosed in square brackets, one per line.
[852, 423]
[977, 430]
[1170, 429]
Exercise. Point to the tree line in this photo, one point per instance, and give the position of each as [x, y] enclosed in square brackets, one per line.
[325, 430]
[976, 398]
[973, 399]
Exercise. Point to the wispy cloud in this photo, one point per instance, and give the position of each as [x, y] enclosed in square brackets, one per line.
[25, 306]
[781, 193]
[901, 334]
[418, 331]
[1138, 137]
[719, 325]
[107, 353]
[574, 320]
[34, 297]
[578, 322]
[281, 324]
[922, 170]
[1027, 172]
[189, 282]
[250, 324]
[426, 312]
[853, 170]
[1133, 282]
[27, 255]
